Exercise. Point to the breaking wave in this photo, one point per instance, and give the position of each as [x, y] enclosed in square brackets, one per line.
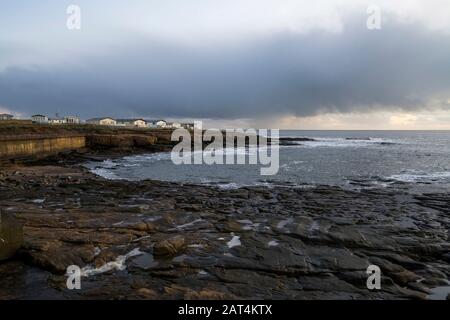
[420, 177]
[346, 142]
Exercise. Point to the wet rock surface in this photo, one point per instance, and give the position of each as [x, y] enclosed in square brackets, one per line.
[160, 240]
[11, 235]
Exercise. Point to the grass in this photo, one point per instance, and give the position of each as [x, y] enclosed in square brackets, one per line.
[8, 128]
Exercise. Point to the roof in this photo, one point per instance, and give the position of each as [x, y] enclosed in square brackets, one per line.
[154, 121]
[6, 114]
[38, 115]
[130, 120]
[98, 119]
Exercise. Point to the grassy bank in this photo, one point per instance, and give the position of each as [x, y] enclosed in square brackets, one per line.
[8, 128]
[21, 141]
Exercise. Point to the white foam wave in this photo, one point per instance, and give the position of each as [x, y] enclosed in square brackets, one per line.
[119, 264]
[105, 173]
[109, 164]
[421, 177]
[234, 242]
[230, 186]
[151, 157]
[186, 225]
[273, 243]
[345, 143]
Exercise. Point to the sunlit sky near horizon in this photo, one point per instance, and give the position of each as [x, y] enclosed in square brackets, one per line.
[288, 64]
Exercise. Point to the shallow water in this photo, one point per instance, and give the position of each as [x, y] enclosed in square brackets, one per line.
[144, 261]
[354, 159]
[439, 293]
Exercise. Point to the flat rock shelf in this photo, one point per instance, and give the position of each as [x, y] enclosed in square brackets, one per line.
[161, 240]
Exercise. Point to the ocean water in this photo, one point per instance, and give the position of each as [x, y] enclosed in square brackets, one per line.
[410, 160]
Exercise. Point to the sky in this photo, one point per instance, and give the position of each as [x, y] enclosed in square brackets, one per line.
[288, 64]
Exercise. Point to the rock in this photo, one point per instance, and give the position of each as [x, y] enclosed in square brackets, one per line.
[207, 294]
[147, 293]
[11, 235]
[322, 239]
[144, 141]
[229, 226]
[169, 247]
[326, 258]
[239, 193]
[404, 277]
[358, 139]
[325, 283]
[57, 257]
[286, 141]
[141, 226]
[121, 140]
[109, 141]
[397, 272]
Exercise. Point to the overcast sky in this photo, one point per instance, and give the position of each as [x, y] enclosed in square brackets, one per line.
[278, 63]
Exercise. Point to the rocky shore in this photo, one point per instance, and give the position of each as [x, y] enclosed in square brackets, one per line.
[160, 240]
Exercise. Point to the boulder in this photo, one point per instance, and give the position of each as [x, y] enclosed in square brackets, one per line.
[11, 235]
[169, 247]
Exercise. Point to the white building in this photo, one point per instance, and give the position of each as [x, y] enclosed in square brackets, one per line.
[156, 123]
[71, 120]
[102, 121]
[189, 126]
[39, 118]
[141, 123]
[174, 125]
[6, 116]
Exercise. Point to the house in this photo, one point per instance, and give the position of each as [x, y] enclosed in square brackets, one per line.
[156, 123]
[102, 121]
[56, 120]
[71, 120]
[6, 116]
[39, 118]
[189, 126]
[174, 125]
[141, 123]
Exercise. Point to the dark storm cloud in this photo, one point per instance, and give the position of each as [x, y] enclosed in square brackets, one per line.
[401, 65]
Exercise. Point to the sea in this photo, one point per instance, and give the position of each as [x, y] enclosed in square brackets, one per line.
[415, 161]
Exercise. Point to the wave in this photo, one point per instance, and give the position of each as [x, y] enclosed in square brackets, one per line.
[109, 164]
[420, 177]
[153, 157]
[345, 142]
[105, 173]
[409, 177]
[119, 264]
[268, 184]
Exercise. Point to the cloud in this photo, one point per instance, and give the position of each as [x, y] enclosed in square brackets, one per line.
[401, 67]
[376, 120]
[403, 120]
